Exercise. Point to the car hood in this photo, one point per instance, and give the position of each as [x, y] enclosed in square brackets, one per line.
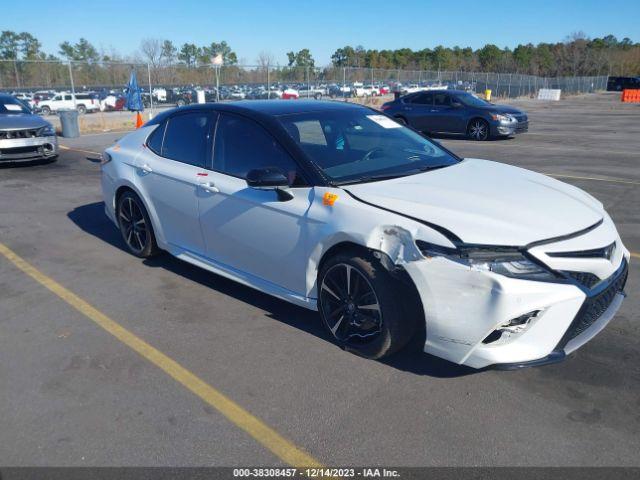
[21, 121]
[487, 202]
[502, 109]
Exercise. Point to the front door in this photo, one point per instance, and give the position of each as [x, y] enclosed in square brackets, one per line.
[250, 230]
[447, 118]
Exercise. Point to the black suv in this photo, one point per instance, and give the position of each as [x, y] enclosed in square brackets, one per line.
[617, 84]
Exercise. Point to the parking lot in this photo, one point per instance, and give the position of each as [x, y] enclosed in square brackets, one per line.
[106, 359]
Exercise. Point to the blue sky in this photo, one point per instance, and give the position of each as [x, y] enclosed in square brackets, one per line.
[276, 26]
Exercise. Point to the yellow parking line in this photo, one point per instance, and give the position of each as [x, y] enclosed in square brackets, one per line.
[636, 255]
[64, 147]
[262, 433]
[611, 180]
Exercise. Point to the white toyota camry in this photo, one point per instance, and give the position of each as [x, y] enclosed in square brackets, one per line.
[387, 234]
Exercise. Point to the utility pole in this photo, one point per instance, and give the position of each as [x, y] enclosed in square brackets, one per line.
[73, 88]
[150, 94]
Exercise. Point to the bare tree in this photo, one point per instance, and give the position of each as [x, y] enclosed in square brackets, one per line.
[151, 48]
[265, 59]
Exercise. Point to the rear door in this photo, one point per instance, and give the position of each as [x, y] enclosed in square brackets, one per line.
[171, 172]
[418, 109]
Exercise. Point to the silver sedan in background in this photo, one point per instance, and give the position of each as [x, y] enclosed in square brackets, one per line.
[24, 136]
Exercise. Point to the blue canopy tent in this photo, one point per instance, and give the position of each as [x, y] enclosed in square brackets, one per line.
[133, 101]
[134, 98]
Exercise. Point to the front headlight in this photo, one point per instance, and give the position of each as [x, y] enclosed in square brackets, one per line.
[506, 118]
[508, 262]
[47, 131]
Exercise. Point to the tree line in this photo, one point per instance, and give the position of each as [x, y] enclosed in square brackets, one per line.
[577, 55]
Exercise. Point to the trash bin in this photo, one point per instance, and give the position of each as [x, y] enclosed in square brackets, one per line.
[69, 122]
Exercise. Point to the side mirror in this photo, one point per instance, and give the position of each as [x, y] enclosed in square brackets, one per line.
[270, 178]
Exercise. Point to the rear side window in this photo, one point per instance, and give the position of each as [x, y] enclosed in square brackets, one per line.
[242, 145]
[155, 139]
[186, 138]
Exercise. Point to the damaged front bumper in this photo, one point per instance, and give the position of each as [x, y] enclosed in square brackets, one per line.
[479, 318]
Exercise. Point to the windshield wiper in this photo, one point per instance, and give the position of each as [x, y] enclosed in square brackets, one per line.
[388, 176]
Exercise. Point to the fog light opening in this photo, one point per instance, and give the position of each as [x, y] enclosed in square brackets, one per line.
[515, 326]
[48, 149]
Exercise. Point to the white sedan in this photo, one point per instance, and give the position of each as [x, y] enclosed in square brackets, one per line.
[388, 235]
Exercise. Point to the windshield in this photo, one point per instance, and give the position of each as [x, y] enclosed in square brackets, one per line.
[10, 105]
[358, 145]
[472, 100]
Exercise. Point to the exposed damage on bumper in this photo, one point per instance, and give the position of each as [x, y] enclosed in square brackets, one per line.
[471, 316]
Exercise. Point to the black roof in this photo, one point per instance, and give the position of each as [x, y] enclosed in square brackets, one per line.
[265, 108]
[440, 90]
[285, 107]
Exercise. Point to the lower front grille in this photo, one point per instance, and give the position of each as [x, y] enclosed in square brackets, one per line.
[21, 153]
[587, 279]
[596, 305]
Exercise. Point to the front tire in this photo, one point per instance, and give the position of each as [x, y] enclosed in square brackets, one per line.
[46, 111]
[360, 304]
[135, 226]
[478, 130]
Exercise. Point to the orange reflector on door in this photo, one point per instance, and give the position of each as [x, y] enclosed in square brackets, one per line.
[329, 199]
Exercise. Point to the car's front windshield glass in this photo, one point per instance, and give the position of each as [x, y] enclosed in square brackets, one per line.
[352, 146]
[12, 106]
[472, 100]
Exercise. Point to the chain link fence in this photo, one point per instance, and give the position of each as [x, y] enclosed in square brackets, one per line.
[254, 81]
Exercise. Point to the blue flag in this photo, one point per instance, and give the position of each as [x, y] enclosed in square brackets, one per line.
[134, 99]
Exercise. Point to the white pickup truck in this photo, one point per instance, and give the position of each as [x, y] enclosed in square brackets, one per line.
[84, 102]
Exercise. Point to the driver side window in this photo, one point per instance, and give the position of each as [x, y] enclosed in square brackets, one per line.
[442, 100]
[422, 99]
[242, 145]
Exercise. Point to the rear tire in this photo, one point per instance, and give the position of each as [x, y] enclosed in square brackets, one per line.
[361, 306]
[135, 226]
[45, 111]
[81, 109]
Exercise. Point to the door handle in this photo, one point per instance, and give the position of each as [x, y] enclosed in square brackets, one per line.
[209, 187]
[146, 168]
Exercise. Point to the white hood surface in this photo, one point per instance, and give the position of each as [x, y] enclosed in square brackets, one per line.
[487, 202]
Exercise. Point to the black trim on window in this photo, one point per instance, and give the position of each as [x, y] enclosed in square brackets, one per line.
[157, 131]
